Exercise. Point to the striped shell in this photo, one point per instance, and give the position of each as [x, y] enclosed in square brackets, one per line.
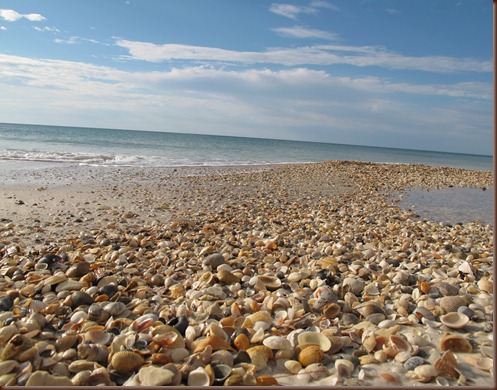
[452, 303]
[125, 362]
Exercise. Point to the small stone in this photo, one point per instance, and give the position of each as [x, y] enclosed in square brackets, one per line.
[413, 362]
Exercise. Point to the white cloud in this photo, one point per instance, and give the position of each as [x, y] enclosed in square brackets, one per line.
[3, 28]
[313, 55]
[242, 102]
[293, 11]
[304, 32]
[74, 41]
[12, 16]
[48, 29]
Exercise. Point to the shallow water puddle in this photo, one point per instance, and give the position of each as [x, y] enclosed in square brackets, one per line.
[452, 205]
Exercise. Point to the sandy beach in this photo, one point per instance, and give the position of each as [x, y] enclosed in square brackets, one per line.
[183, 271]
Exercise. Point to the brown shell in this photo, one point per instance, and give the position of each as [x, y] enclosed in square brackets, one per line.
[452, 303]
[125, 362]
[395, 345]
[214, 341]
[455, 343]
[266, 380]
[310, 354]
[446, 365]
[227, 277]
[242, 342]
[270, 282]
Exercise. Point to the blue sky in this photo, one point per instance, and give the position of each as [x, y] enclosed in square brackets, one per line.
[395, 73]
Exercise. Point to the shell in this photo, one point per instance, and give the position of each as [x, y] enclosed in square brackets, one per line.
[454, 320]
[369, 309]
[199, 377]
[455, 343]
[242, 342]
[310, 354]
[277, 342]
[331, 310]
[267, 380]
[425, 372]
[259, 355]
[221, 373]
[353, 285]
[222, 357]
[395, 345]
[125, 362]
[447, 365]
[485, 363]
[344, 368]
[227, 277]
[293, 366]
[268, 282]
[216, 342]
[486, 285]
[314, 338]
[452, 303]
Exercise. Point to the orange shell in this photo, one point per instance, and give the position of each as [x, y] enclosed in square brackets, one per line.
[310, 354]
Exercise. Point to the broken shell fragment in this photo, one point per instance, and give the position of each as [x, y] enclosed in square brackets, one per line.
[455, 343]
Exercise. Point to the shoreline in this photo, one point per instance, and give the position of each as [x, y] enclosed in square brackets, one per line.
[313, 227]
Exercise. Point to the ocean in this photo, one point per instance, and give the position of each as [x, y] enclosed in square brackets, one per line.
[26, 146]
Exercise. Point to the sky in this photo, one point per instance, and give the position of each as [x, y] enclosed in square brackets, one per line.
[391, 73]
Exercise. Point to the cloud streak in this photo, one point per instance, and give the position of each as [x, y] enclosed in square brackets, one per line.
[323, 55]
[10, 15]
[304, 32]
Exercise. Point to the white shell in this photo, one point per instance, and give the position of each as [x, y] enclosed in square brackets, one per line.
[455, 320]
[277, 342]
[199, 377]
[314, 338]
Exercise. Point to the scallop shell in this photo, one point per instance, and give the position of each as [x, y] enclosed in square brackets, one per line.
[125, 362]
[452, 303]
[216, 342]
[314, 338]
[455, 343]
[353, 285]
[454, 320]
[447, 365]
[277, 342]
[310, 354]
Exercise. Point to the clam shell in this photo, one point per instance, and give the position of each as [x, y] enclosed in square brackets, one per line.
[486, 285]
[242, 342]
[452, 303]
[454, 320]
[227, 277]
[447, 365]
[395, 345]
[268, 282]
[259, 355]
[425, 372]
[214, 341]
[310, 354]
[369, 309]
[277, 342]
[314, 338]
[455, 343]
[222, 357]
[293, 366]
[353, 285]
[125, 362]
[485, 363]
[330, 310]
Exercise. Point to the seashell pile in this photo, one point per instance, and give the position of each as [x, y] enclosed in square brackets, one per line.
[280, 275]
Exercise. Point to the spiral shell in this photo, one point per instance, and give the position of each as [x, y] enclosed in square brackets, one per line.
[310, 354]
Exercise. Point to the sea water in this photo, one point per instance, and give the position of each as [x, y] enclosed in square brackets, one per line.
[25, 146]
